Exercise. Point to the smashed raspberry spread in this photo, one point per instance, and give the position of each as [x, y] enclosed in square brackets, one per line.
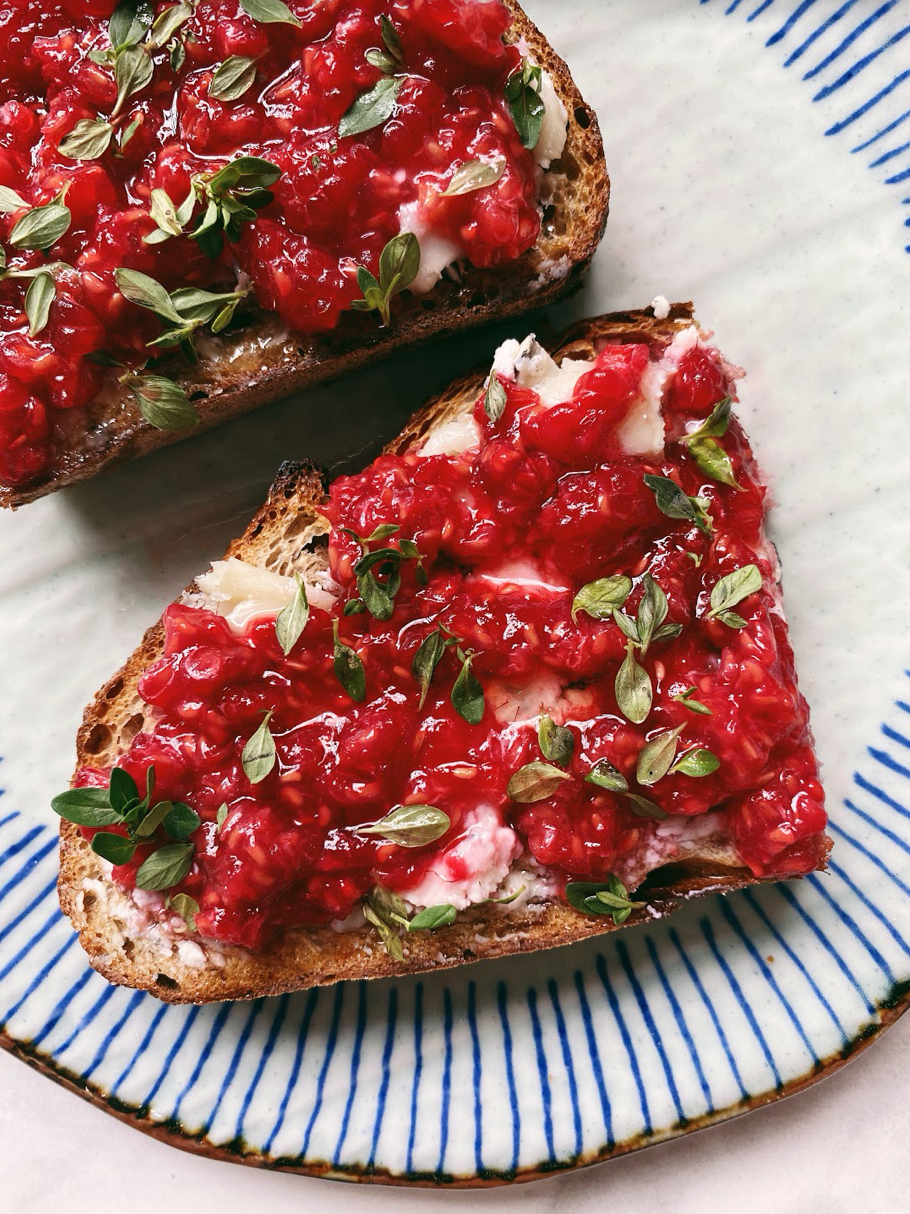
[363, 111]
[564, 632]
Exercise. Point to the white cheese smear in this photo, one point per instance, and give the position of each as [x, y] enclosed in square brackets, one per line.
[485, 848]
[243, 593]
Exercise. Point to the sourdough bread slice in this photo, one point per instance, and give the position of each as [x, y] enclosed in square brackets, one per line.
[129, 947]
[263, 361]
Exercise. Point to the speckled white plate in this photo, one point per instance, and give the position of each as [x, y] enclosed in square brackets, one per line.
[761, 165]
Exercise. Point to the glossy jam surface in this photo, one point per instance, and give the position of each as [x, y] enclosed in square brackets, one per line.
[509, 530]
[335, 205]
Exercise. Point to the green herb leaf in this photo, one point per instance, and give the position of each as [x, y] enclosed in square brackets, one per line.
[370, 109]
[167, 23]
[643, 808]
[398, 267]
[605, 775]
[474, 175]
[123, 791]
[426, 659]
[166, 867]
[164, 213]
[656, 756]
[38, 299]
[186, 907]
[181, 821]
[685, 698]
[221, 815]
[386, 911]
[269, 12]
[732, 589]
[467, 693]
[153, 819]
[376, 597]
[10, 201]
[348, 668]
[410, 825]
[128, 132]
[432, 917]
[714, 461]
[535, 782]
[144, 291]
[129, 22]
[652, 611]
[86, 807]
[132, 72]
[633, 688]
[494, 398]
[599, 599]
[291, 620]
[714, 426]
[674, 503]
[41, 227]
[161, 402]
[525, 104]
[556, 742]
[89, 139]
[698, 762]
[232, 78]
[391, 40]
[627, 626]
[115, 848]
[608, 897]
[259, 755]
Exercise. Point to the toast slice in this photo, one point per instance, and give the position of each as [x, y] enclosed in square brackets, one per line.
[242, 370]
[140, 945]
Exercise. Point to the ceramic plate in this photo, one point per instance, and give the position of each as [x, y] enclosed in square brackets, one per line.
[760, 154]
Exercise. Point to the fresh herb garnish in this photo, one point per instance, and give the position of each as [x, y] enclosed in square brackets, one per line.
[643, 808]
[38, 299]
[232, 78]
[386, 912]
[432, 917]
[557, 743]
[391, 58]
[633, 688]
[426, 659]
[525, 104]
[601, 598]
[707, 452]
[494, 398]
[184, 906]
[291, 620]
[474, 175]
[602, 898]
[163, 403]
[378, 597]
[535, 782]
[42, 226]
[605, 775]
[409, 825]
[656, 756]
[731, 590]
[649, 623]
[269, 12]
[697, 763]
[232, 196]
[372, 108]
[348, 668]
[259, 754]
[10, 201]
[399, 264]
[685, 698]
[467, 693]
[221, 816]
[181, 312]
[674, 503]
[89, 139]
[140, 818]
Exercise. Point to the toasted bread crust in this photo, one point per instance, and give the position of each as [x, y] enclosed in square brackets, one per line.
[281, 537]
[262, 362]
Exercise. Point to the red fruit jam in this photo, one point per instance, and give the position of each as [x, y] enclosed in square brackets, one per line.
[538, 504]
[337, 203]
